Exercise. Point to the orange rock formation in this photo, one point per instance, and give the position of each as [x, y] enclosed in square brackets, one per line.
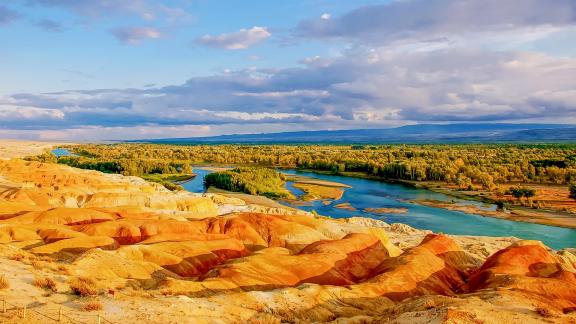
[280, 265]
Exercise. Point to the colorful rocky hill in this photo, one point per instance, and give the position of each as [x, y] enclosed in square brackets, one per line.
[81, 242]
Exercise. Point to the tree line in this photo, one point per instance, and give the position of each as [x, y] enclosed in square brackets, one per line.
[463, 165]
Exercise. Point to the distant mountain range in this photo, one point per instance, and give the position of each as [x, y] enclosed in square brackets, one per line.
[424, 133]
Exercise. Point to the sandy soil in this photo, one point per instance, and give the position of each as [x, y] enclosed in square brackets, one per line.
[556, 209]
[386, 210]
[346, 206]
[318, 182]
[250, 199]
[319, 192]
[10, 148]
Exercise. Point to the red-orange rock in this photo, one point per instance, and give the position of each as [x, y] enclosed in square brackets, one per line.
[429, 268]
[336, 262]
[530, 267]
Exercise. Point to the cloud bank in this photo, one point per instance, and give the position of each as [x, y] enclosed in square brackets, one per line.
[361, 88]
[415, 61]
[430, 19]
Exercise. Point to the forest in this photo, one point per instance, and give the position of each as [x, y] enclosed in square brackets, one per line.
[462, 165]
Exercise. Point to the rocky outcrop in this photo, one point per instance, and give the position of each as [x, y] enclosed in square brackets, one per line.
[331, 262]
[528, 266]
[45, 186]
[244, 262]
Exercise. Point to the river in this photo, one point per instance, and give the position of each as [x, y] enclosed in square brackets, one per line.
[374, 194]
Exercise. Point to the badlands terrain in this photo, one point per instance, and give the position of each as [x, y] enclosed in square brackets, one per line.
[84, 243]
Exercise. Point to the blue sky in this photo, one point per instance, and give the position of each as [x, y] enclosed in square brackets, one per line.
[126, 69]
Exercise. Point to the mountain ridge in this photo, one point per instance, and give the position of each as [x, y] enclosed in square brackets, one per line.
[421, 133]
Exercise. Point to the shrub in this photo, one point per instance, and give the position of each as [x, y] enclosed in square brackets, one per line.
[172, 186]
[573, 191]
[38, 265]
[45, 283]
[519, 192]
[83, 286]
[91, 306]
[544, 312]
[430, 304]
[4, 283]
[17, 257]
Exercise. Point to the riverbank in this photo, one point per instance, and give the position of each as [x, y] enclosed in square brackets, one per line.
[514, 215]
[10, 148]
[174, 178]
[547, 215]
[546, 194]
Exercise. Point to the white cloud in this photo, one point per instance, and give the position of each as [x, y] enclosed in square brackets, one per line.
[284, 94]
[11, 113]
[241, 39]
[135, 35]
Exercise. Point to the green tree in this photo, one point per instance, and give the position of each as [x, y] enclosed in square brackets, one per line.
[463, 182]
[520, 192]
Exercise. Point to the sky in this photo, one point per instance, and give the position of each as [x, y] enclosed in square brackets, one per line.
[138, 69]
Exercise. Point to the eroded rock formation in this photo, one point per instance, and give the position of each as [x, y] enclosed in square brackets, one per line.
[249, 263]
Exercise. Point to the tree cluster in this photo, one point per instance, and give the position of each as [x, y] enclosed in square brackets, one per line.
[253, 181]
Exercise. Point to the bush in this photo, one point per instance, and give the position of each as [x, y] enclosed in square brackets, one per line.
[17, 257]
[45, 283]
[519, 192]
[430, 304]
[83, 286]
[172, 186]
[92, 306]
[4, 283]
[544, 312]
[573, 191]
